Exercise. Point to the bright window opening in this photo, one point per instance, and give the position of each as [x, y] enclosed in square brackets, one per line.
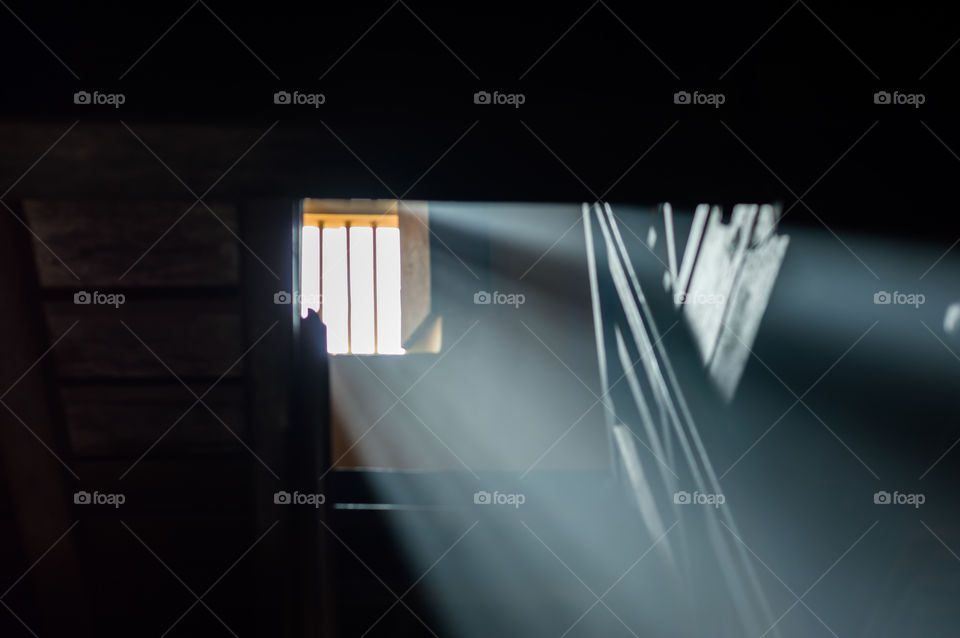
[350, 274]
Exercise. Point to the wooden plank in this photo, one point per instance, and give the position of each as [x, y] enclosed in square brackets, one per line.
[101, 241]
[195, 338]
[124, 420]
[31, 443]
[198, 548]
[415, 267]
[308, 465]
[269, 228]
[174, 485]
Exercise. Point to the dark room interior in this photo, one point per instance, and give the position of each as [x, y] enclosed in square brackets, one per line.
[401, 319]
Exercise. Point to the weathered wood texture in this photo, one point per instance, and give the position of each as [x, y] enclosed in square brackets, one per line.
[120, 421]
[194, 338]
[133, 243]
[31, 435]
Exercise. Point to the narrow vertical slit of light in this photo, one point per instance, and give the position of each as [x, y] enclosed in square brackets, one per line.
[388, 291]
[349, 307]
[335, 289]
[376, 296]
[361, 290]
[309, 270]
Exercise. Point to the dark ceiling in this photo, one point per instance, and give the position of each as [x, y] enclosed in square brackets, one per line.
[598, 120]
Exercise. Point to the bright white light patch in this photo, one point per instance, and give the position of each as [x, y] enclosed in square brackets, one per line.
[335, 304]
[310, 272]
[361, 291]
[388, 291]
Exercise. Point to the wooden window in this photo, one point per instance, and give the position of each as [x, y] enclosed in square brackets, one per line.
[365, 268]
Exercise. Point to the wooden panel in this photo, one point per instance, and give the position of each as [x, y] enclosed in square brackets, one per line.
[174, 485]
[195, 338]
[268, 385]
[36, 478]
[139, 597]
[415, 267]
[312, 207]
[124, 420]
[101, 241]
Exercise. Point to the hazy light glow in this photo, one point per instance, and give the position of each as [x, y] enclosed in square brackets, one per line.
[388, 291]
[335, 310]
[362, 340]
[310, 272]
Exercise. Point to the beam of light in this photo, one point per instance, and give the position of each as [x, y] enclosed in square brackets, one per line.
[446, 427]
[499, 398]
[388, 291]
[309, 270]
[701, 461]
[362, 310]
[335, 312]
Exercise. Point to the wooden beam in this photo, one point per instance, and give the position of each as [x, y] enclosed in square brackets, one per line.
[32, 442]
[288, 564]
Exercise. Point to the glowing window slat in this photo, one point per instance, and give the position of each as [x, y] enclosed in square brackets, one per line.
[388, 291]
[362, 339]
[310, 273]
[334, 276]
